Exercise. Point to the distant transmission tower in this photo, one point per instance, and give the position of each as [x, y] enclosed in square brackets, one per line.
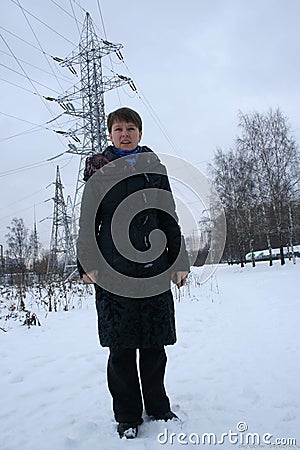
[60, 236]
[89, 133]
[35, 245]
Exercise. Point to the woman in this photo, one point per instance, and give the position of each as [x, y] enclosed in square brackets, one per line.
[132, 279]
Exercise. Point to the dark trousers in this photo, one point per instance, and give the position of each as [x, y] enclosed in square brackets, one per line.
[124, 383]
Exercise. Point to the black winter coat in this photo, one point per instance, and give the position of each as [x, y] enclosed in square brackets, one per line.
[137, 320]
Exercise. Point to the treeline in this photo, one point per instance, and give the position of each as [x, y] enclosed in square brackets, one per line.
[258, 182]
[23, 253]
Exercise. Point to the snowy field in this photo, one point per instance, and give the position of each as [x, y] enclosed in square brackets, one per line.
[236, 365]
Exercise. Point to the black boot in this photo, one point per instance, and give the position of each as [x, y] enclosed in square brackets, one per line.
[128, 430]
[165, 416]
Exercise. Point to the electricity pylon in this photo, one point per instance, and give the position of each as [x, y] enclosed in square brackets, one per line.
[60, 243]
[35, 245]
[89, 132]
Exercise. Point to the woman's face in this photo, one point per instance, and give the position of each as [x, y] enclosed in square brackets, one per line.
[125, 135]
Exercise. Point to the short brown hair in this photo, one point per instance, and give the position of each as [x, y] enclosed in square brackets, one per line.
[126, 114]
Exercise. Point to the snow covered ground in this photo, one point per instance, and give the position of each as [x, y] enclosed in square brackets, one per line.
[236, 365]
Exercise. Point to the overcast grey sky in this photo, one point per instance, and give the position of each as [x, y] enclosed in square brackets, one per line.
[197, 62]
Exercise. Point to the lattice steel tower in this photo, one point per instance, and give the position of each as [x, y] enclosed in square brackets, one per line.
[89, 133]
[35, 245]
[61, 239]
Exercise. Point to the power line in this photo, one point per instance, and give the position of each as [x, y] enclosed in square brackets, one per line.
[79, 5]
[152, 112]
[25, 73]
[37, 127]
[18, 62]
[41, 48]
[17, 85]
[23, 168]
[24, 198]
[27, 76]
[76, 20]
[28, 167]
[36, 67]
[21, 39]
[102, 21]
[105, 35]
[31, 130]
[42, 22]
[29, 79]
[63, 9]
[39, 44]
[21, 210]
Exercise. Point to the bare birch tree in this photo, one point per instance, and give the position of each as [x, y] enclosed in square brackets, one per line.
[258, 183]
[18, 242]
[274, 156]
